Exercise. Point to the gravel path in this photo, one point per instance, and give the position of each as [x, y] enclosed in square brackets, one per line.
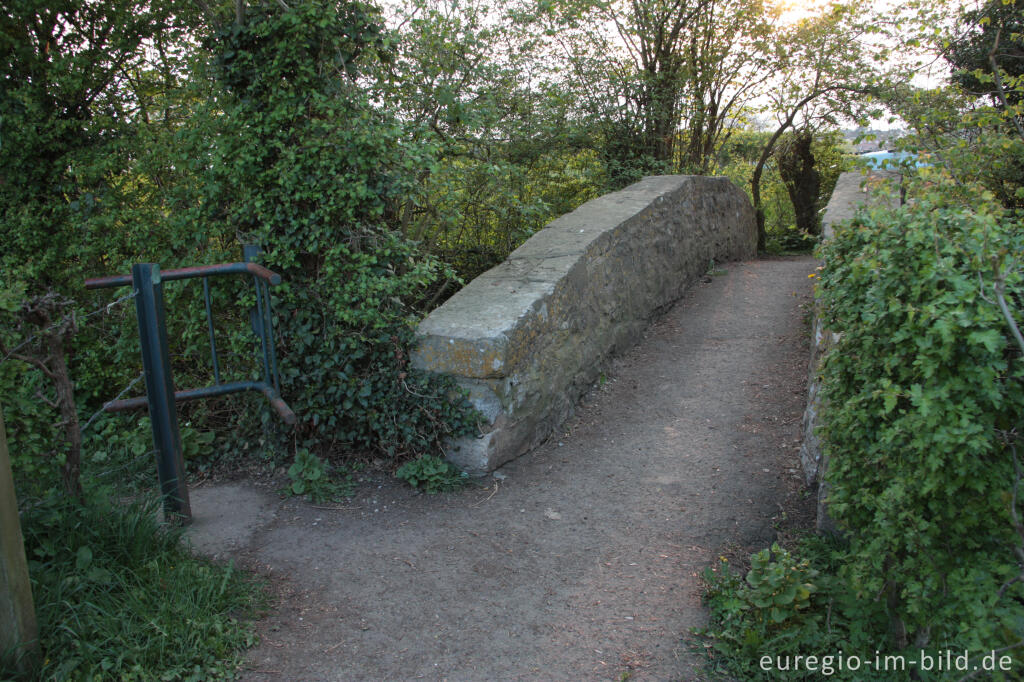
[579, 561]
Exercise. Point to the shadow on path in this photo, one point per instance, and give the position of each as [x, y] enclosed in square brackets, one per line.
[579, 561]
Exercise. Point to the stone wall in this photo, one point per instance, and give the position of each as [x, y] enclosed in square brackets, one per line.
[527, 338]
[853, 191]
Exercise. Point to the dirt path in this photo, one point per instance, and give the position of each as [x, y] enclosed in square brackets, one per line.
[579, 561]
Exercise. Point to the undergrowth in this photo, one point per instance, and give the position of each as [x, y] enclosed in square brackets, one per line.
[432, 474]
[316, 479]
[790, 603]
[118, 596]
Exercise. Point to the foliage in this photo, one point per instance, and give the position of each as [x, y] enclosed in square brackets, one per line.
[972, 129]
[432, 474]
[663, 83]
[66, 135]
[316, 195]
[992, 31]
[789, 604]
[118, 596]
[68, 140]
[737, 159]
[312, 477]
[507, 156]
[923, 390]
[826, 70]
[767, 611]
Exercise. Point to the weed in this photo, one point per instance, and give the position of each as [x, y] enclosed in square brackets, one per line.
[432, 474]
[784, 606]
[312, 477]
[713, 269]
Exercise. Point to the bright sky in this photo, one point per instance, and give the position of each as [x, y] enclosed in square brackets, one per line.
[794, 10]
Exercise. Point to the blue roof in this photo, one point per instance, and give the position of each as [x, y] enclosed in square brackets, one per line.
[890, 159]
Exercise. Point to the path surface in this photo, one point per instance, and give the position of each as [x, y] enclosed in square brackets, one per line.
[579, 561]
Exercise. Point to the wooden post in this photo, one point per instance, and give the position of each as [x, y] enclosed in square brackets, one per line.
[17, 614]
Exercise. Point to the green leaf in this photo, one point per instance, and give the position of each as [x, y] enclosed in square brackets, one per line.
[83, 558]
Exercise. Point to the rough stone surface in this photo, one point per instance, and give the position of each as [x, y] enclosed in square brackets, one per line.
[853, 191]
[527, 337]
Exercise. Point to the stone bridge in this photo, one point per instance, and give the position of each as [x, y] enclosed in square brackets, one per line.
[528, 337]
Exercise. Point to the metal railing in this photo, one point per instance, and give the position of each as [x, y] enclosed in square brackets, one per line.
[147, 280]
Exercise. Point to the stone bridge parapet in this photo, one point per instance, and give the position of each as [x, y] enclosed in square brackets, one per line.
[527, 338]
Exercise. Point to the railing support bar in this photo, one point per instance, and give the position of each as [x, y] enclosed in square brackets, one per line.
[269, 326]
[163, 414]
[209, 327]
[262, 323]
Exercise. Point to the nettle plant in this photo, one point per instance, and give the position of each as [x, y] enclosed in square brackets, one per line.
[924, 403]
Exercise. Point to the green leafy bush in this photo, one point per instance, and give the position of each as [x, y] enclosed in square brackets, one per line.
[432, 474]
[316, 195]
[924, 397]
[924, 392]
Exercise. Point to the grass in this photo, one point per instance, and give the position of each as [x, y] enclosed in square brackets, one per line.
[118, 596]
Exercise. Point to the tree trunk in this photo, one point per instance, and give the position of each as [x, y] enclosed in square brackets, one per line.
[755, 193]
[802, 179]
[71, 475]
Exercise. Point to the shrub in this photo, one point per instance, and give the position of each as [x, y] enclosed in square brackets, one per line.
[924, 396]
[316, 193]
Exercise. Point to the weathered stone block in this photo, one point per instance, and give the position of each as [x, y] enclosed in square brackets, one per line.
[527, 337]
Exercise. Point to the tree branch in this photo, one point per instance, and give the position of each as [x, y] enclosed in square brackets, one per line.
[998, 80]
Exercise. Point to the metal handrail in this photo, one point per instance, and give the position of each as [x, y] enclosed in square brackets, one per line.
[254, 269]
[147, 279]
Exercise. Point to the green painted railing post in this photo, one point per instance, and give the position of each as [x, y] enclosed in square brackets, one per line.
[163, 413]
[17, 614]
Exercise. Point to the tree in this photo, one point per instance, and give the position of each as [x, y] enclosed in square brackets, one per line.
[71, 108]
[68, 109]
[800, 173]
[973, 128]
[824, 68]
[664, 84]
[471, 82]
[728, 63]
[991, 33]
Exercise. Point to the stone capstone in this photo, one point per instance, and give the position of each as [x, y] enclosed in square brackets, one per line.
[526, 338]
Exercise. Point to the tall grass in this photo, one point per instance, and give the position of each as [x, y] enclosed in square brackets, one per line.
[118, 596]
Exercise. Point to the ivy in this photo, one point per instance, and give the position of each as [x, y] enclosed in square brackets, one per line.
[302, 161]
